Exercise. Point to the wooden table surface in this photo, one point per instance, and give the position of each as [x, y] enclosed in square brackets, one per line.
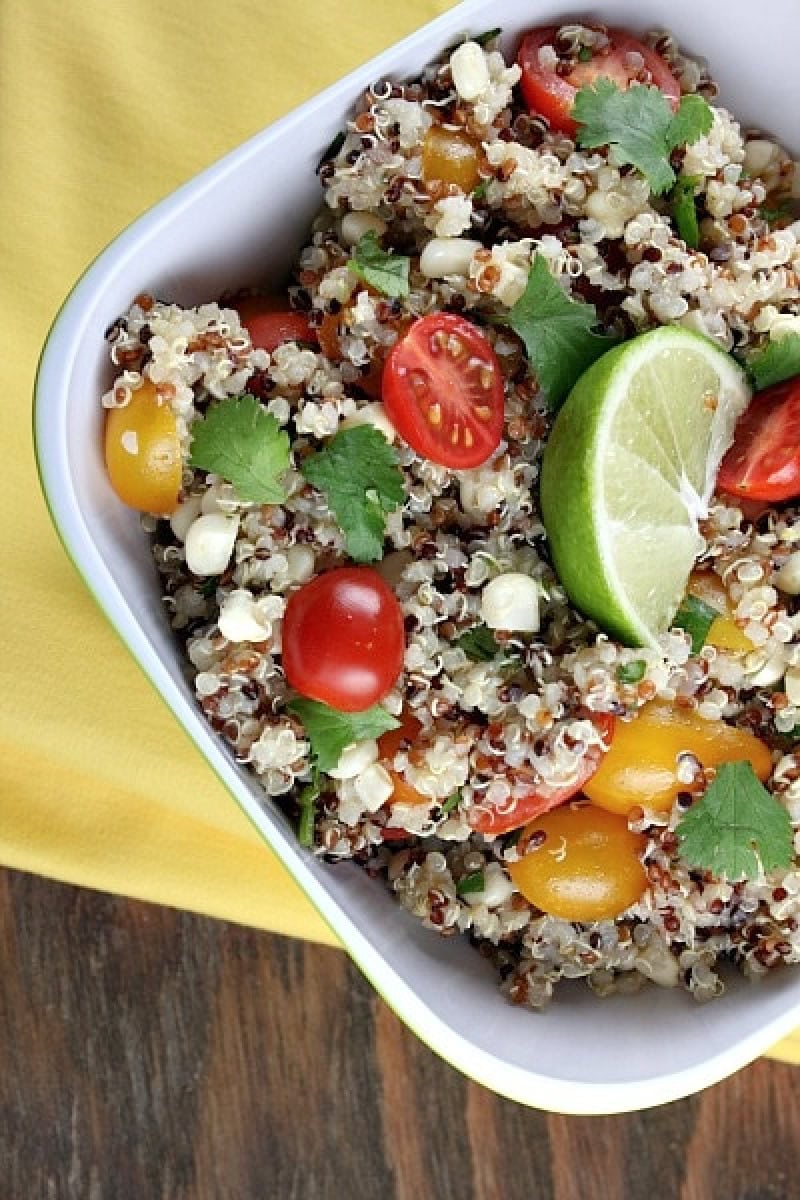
[150, 1054]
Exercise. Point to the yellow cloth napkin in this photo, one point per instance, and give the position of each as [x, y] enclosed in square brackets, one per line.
[107, 107]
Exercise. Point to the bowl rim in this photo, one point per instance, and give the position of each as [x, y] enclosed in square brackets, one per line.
[528, 1087]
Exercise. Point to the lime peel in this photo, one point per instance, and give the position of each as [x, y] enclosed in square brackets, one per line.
[628, 472]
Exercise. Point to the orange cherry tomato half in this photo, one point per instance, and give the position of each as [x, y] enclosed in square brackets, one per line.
[724, 633]
[580, 863]
[640, 768]
[443, 391]
[551, 94]
[405, 793]
[143, 453]
[395, 739]
[343, 639]
[545, 797]
[451, 157]
[270, 322]
[764, 461]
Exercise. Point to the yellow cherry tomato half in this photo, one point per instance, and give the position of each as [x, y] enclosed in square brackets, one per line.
[143, 454]
[451, 157]
[580, 863]
[724, 633]
[640, 767]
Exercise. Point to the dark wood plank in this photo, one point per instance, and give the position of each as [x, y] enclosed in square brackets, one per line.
[147, 1053]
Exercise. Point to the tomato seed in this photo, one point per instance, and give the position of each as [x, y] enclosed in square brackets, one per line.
[468, 438]
[455, 347]
[419, 382]
[435, 414]
[483, 413]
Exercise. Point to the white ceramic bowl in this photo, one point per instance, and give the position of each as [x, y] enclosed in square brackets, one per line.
[232, 226]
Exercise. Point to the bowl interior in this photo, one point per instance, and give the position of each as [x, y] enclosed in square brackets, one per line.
[241, 223]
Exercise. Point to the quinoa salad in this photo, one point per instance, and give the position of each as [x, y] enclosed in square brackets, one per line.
[358, 565]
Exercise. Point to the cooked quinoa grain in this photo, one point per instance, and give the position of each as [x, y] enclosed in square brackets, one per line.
[491, 727]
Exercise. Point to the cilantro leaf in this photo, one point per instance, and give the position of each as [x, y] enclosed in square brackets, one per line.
[469, 884]
[478, 644]
[696, 617]
[779, 360]
[387, 273]
[693, 119]
[640, 125]
[329, 730]
[558, 332]
[684, 210]
[735, 824]
[245, 445]
[632, 672]
[359, 475]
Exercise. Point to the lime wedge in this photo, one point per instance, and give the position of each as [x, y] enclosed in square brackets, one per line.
[629, 470]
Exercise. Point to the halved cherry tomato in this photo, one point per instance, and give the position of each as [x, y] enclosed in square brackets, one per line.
[640, 768]
[545, 797]
[343, 638]
[764, 461]
[443, 391]
[451, 157]
[270, 323]
[552, 95]
[143, 453]
[581, 864]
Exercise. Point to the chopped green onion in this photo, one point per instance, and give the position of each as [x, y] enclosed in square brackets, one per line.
[585, 54]
[451, 802]
[209, 586]
[474, 882]
[307, 801]
[631, 672]
[479, 193]
[696, 617]
[684, 209]
[333, 149]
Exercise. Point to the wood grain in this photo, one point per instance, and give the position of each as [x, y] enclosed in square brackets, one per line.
[147, 1054]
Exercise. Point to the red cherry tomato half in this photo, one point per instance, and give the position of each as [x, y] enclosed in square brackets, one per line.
[443, 391]
[545, 797]
[343, 639]
[764, 461]
[551, 95]
[270, 324]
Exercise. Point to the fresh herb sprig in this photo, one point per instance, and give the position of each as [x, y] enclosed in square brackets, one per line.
[386, 272]
[359, 475]
[241, 442]
[640, 125]
[560, 335]
[329, 730]
[737, 827]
